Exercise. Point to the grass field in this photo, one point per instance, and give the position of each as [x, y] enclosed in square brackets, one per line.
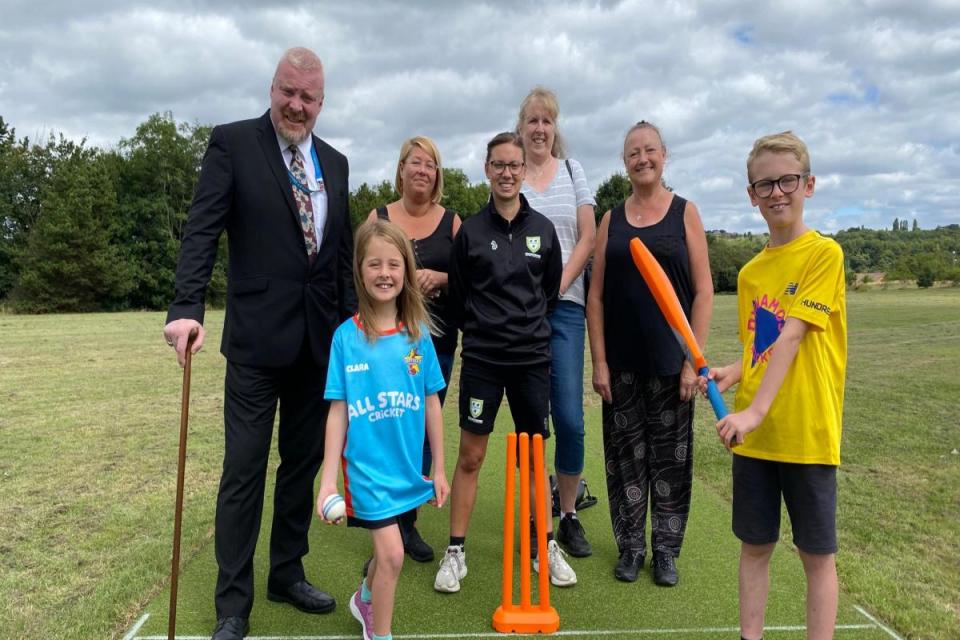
[89, 417]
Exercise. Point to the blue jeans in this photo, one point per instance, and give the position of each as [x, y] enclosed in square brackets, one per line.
[566, 385]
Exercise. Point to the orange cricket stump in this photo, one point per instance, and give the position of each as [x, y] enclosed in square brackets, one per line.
[525, 617]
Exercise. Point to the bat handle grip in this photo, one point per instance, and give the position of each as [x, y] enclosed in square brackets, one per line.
[713, 394]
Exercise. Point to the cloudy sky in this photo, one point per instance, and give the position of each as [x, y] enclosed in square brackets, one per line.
[873, 86]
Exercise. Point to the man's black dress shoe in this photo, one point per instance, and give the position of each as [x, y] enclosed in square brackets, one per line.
[629, 565]
[304, 596]
[231, 628]
[414, 544]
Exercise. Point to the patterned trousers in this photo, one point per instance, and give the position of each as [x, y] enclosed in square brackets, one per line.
[648, 450]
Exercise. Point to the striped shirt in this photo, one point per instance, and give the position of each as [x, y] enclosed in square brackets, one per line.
[559, 202]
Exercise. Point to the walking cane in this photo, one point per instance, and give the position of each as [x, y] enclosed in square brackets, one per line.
[178, 510]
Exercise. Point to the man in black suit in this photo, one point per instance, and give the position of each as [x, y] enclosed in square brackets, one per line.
[281, 195]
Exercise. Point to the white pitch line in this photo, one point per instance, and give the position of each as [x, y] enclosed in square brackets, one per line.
[588, 633]
[136, 627]
[890, 632]
[352, 636]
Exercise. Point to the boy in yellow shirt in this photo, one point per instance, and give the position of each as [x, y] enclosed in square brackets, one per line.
[785, 433]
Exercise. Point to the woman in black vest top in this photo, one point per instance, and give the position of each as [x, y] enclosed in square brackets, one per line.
[638, 368]
[431, 229]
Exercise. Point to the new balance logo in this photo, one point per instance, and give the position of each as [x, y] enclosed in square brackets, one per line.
[791, 289]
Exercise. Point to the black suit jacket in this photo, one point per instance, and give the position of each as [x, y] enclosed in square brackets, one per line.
[275, 298]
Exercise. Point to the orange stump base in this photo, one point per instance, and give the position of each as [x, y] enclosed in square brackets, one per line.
[517, 620]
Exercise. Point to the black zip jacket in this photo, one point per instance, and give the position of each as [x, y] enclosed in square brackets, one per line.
[504, 279]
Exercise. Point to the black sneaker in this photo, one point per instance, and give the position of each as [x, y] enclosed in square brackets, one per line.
[664, 570]
[627, 569]
[570, 535]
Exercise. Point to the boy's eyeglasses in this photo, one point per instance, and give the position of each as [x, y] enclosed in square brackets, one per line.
[788, 184]
[499, 166]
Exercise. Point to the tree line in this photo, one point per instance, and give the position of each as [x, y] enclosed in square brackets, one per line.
[90, 229]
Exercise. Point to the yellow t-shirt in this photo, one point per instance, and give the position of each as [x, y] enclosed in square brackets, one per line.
[802, 279]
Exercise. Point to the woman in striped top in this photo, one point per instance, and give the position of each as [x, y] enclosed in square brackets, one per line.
[557, 187]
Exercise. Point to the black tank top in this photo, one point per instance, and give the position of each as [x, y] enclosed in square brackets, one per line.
[636, 335]
[433, 252]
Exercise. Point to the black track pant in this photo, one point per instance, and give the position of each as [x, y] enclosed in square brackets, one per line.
[648, 450]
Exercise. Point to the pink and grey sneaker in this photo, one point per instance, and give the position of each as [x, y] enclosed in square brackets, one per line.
[363, 612]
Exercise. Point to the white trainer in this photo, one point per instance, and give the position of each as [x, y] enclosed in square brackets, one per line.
[561, 573]
[453, 569]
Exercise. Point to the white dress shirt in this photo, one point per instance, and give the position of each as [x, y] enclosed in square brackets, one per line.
[318, 198]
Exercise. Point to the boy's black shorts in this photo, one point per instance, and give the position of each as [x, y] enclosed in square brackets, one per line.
[808, 490]
[528, 393]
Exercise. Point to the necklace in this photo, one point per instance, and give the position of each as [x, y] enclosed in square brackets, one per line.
[417, 215]
[653, 203]
[539, 170]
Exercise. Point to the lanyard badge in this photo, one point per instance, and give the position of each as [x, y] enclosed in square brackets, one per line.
[317, 172]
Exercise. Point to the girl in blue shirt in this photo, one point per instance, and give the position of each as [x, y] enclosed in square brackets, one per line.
[382, 383]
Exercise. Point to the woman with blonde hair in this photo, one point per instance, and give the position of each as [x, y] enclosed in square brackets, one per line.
[430, 228]
[557, 187]
[639, 371]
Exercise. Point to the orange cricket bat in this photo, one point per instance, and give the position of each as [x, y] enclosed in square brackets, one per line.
[669, 304]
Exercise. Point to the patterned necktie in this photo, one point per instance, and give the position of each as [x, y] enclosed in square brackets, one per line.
[301, 195]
